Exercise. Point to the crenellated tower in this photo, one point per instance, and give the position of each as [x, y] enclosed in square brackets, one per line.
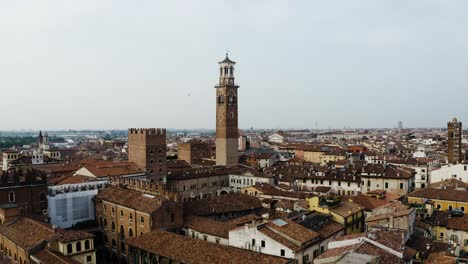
[147, 149]
[226, 115]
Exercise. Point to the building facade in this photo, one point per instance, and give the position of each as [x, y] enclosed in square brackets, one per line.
[147, 150]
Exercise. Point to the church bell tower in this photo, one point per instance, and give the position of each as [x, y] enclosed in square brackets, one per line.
[226, 115]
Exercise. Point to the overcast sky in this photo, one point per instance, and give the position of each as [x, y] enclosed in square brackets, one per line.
[119, 64]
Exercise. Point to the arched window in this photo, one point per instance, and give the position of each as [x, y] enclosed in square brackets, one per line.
[105, 238]
[220, 99]
[78, 246]
[69, 248]
[105, 223]
[122, 230]
[114, 245]
[87, 245]
[151, 151]
[225, 70]
[130, 232]
[462, 208]
[122, 246]
[232, 70]
[11, 197]
[450, 208]
[151, 161]
[231, 98]
[113, 226]
[160, 150]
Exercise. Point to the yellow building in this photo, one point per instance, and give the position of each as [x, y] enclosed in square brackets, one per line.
[325, 158]
[450, 228]
[347, 213]
[314, 156]
[441, 199]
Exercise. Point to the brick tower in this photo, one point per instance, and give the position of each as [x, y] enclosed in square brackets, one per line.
[454, 137]
[226, 115]
[147, 150]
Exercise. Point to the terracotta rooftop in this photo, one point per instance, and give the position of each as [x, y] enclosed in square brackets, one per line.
[209, 226]
[188, 250]
[27, 233]
[131, 199]
[294, 231]
[110, 169]
[369, 203]
[440, 194]
[46, 256]
[346, 208]
[232, 202]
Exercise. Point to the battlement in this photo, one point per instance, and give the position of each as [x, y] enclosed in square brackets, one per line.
[144, 186]
[147, 131]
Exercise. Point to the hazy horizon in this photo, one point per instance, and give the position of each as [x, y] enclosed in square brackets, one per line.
[114, 65]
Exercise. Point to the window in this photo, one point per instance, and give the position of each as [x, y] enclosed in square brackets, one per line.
[401, 185]
[217, 240]
[253, 242]
[282, 253]
[368, 182]
[205, 237]
[465, 167]
[121, 213]
[42, 197]
[89, 258]
[339, 183]
[465, 243]
[450, 207]
[130, 232]
[349, 184]
[263, 243]
[87, 245]
[122, 230]
[142, 220]
[438, 206]
[113, 226]
[69, 248]
[113, 211]
[122, 246]
[130, 218]
[462, 208]
[329, 182]
[114, 244]
[172, 218]
[11, 197]
[78, 246]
